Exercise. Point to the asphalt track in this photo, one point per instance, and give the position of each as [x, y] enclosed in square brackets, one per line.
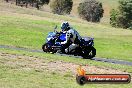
[95, 58]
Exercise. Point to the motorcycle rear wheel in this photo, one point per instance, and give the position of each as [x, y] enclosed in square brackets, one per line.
[89, 53]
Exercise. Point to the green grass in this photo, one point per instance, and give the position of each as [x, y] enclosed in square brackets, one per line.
[16, 77]
[28, 28]
[31, 33]
[52, 57]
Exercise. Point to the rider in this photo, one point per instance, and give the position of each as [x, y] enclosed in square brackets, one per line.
[72, 35]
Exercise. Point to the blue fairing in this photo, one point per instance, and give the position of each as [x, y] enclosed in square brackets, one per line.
[57, 42]
[62, 37]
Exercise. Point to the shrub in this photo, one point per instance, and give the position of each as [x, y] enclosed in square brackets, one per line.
[36, 3]
[45, 1]
[113, 17]
[91, 10]
[61, 7]
[39, 3]
[124, 17]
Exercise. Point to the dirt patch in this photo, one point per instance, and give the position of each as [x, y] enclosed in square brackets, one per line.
[41, 64]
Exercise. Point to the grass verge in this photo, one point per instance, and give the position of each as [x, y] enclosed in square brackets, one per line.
[16, 77]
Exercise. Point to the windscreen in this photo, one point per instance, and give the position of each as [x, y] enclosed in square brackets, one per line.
[51, 34]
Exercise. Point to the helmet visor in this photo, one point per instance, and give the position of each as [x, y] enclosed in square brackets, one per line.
[63, 27]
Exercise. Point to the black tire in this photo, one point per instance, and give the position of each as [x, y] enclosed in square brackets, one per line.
[81, 80]
[45, 48]
[89, 53]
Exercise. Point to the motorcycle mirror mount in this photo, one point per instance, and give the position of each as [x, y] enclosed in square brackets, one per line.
[55, 28]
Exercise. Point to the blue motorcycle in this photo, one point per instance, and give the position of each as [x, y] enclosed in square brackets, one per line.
[57, 42]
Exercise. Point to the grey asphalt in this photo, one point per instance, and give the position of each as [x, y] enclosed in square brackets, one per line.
[122, 62]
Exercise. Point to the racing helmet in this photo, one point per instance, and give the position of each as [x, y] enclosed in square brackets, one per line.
[64, 26]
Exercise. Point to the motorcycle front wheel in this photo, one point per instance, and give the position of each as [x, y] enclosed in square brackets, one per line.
[45, 47]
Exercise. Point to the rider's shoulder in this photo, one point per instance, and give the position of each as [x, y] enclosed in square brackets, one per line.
[71, 29]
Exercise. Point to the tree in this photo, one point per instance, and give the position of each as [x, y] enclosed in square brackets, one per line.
[91, 10]
[123, 16]
[61, 7]
[113, 17]
[45, 1]
[37, 3]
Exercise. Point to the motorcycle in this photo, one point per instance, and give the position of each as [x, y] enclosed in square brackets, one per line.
[57, 42]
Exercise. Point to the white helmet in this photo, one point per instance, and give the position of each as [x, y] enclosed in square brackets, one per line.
[64, 26]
